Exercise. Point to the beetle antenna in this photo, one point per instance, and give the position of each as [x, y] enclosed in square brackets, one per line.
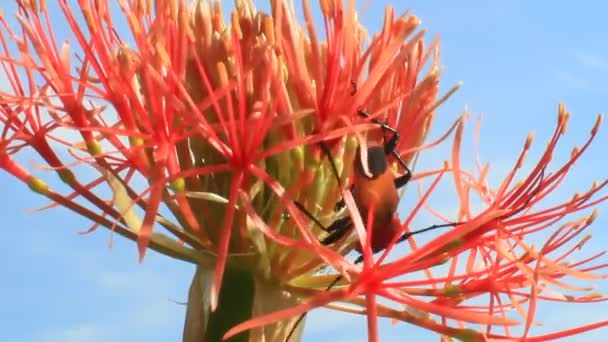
[332, 162]
[407, 235]
[340, 204]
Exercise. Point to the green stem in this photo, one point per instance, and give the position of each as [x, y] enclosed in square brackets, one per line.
[235, 305]
[243, 296]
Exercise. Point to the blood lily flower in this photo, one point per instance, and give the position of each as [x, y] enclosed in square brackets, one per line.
[489, 254]
[228, 144]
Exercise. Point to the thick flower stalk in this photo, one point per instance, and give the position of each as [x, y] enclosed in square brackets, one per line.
[208, 133]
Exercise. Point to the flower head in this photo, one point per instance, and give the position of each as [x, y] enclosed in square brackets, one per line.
[489, 254]
[227, 140]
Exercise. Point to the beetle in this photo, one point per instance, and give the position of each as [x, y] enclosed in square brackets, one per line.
[378, 188]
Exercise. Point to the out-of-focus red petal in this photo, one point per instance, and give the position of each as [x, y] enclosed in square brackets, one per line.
[372, 318]
[222, 251]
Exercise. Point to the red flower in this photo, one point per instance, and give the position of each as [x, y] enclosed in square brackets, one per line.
[206, 135]
[488, 255]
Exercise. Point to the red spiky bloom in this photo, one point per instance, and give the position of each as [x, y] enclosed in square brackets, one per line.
[490, 255]
[220, 128]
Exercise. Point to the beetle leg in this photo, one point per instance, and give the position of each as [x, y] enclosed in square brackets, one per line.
[337, 230]
[402, 180]
[340, 224]
[341, 204]
[310, 216]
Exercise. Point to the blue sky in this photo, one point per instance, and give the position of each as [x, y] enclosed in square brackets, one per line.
[517, 60]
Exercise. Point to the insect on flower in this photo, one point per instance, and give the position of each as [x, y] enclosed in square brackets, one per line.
[378, 188]
[375, 192]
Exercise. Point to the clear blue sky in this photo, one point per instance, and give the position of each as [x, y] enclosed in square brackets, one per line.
[517, 59]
